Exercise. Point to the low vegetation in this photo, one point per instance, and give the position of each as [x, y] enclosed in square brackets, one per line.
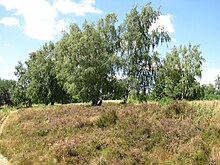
[149, 133]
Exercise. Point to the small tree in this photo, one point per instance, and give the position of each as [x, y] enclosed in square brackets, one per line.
[140, 63]
[85, 60]
[217, 85]
[209, 91]
[43, 86]
[5, 91]
[19, 91]
[178, 74]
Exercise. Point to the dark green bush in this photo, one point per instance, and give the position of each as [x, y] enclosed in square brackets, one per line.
[75, 99]
[107, 118]
[165, 101]
[177, 109]
[143, 97]
[42, 132]
[212, 97]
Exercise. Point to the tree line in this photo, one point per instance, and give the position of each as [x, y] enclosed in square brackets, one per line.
[104, 60]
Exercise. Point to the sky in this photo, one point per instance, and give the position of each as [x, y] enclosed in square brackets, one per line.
[25, 25]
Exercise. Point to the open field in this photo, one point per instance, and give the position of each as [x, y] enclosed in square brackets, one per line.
[147, 133]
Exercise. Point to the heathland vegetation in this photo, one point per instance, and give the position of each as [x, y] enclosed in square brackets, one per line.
[148, 133]
[156, 121]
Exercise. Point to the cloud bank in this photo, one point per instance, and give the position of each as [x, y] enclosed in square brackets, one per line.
[40, 17]
[9, 21]
[79, 9]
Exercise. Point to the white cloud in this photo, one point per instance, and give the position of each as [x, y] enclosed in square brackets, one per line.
[9, 21]
[163, 23]
[41, 16]
[173, 40]
[209, 75]
[8, 74]
[70, 7]
[62, 25]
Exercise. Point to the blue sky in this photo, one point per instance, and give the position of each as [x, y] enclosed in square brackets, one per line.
[25, 25]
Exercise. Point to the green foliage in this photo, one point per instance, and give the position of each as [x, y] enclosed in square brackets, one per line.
[137, 98]
[209, 89]
[119, 89]
[107, 118]
[75, 99]
[211, 97]
[19, 92]
[177, 77]
[178, 109]
[132, 98]
[37, 82]
[217, 85]
[140, 61]
[86, 59]
[142, 97]
[209, 92]
[165, 101]
[5, 91]
[43, 85]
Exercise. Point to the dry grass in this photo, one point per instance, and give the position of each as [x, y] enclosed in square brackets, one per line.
[179, 133]
[2, 116]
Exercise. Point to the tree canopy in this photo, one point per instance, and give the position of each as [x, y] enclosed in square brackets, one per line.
[5, 91]
[140, 62]
[86, 62]
[180, 68]
[86, 59]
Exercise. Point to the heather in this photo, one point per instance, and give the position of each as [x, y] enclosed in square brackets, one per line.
[149, 133]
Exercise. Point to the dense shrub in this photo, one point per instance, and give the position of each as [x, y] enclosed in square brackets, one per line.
[75, 99]
[212, 97]
[165, 101]
[179, 109]
[107, 118]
